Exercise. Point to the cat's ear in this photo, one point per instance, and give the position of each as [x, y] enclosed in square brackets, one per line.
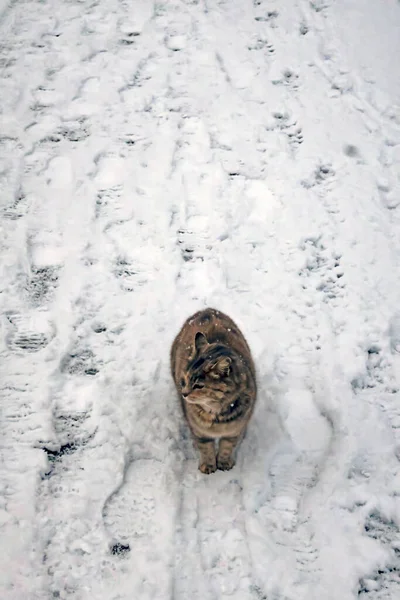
[223, 366]
[200, 342]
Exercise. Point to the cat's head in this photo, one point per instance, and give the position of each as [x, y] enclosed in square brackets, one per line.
[213, 379]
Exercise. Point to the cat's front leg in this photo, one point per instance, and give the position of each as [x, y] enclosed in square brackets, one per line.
[225, 460]
[208, 461]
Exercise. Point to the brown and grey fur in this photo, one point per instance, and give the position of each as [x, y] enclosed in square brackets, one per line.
[215, 377]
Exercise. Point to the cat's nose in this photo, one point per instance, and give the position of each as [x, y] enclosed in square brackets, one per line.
[184, 394]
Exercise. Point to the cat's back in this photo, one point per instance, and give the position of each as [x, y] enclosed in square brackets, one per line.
[217, 327]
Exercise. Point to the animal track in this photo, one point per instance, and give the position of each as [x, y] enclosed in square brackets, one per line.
[292, 130]
[323, 268]
[323, 173]
[295, 136]
[303, 29]
[288, 78]
[129, 38]
[118, 549]
[266, 17]
[262, 44]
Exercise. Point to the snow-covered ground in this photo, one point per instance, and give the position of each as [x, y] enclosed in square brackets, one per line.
[156, 158]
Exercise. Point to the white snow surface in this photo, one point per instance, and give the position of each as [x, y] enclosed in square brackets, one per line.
[157, 158]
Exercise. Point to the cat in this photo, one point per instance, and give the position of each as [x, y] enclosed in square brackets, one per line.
[214, 374]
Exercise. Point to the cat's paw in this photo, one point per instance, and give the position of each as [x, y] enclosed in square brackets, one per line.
[225, 464]
[207, 468]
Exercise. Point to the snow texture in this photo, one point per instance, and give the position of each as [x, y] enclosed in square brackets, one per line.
[157, 158]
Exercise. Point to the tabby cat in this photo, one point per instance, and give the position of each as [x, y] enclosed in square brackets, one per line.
[215, 377]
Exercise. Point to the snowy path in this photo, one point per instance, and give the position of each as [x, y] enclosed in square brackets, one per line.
[154, 159]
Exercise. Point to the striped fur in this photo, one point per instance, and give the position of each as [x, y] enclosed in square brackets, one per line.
[215, 377]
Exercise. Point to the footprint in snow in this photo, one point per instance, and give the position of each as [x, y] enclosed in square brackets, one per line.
[382, 584]
[80, 361]
[193, 244]
[139, 518]
[30, 332]
[73, 432]
[130, 276]
[40, 286]
[18, 207]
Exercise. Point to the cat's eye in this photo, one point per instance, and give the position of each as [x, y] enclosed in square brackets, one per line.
[183, 383]
[198, 385]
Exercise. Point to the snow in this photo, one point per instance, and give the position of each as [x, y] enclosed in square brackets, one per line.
[157, 158]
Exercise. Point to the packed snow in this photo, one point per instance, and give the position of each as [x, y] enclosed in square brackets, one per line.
[157, 158]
